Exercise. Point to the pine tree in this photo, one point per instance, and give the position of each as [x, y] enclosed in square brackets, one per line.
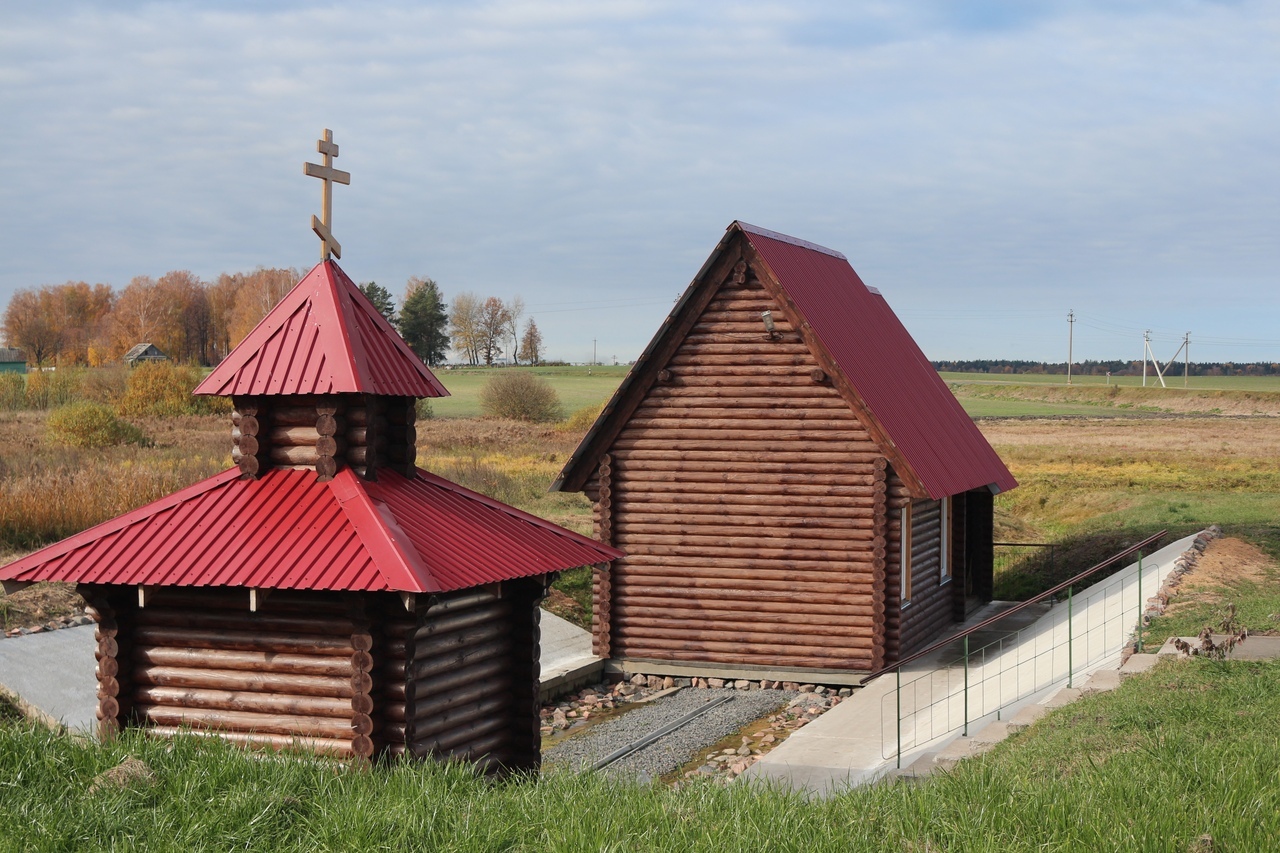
[381, 299]
[424, 322]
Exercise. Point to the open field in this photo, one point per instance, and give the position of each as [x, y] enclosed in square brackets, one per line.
[1194, 383]
[578, 387]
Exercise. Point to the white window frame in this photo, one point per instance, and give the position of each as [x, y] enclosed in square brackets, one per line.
[944, 546]
[904, 554]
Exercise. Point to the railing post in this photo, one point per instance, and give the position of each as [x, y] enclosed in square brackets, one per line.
[1139, 648]
[1070, 662]
[898, 714]
[966, 685]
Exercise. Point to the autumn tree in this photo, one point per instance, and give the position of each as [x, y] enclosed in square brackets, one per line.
[515, 310]
[29, 326]
[259, 292]
[464, 325]
[146, 312]
[82, 312]
[381, 299]
[494, 318]
[423, 321]
[531, 343]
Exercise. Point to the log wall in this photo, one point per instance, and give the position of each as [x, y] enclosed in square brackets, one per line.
[365, 431]
[745, 492]
[471, 676]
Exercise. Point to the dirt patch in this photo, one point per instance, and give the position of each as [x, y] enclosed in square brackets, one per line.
[1224, 562]
[38, 604]
[566, 608]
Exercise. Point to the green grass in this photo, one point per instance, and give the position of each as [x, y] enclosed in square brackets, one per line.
[578, 387]
[985, 407]
[1218, 383]
[1185, 751]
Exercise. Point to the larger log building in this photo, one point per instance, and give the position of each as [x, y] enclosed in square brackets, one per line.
[797, 491]
[325, 592]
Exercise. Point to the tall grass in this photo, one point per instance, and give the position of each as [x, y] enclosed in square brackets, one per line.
[1184, 752]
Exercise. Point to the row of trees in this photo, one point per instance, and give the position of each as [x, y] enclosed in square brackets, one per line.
[199, 322]
[188, 319]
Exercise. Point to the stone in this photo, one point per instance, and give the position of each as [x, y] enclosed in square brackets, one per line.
[806, 688]
[738, 768]
[819, 690]
[654, 682]
[684, 682]
[768, 739]
[715, 682]
[742, 685]
[790, 685]
[131, 771]
[728, 751]
[626, 690]
[668, 683]
[744, 750]
[639, 680]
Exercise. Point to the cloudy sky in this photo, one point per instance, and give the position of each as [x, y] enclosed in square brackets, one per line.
[988, 165]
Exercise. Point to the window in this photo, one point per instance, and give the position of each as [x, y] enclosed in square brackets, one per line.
[944, 546]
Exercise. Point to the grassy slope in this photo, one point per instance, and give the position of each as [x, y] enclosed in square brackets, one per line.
[1184, 752]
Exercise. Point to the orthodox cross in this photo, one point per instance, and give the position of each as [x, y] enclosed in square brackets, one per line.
[328, 174]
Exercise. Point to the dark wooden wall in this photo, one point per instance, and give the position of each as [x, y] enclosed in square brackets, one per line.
[744, 491]
[344, 674]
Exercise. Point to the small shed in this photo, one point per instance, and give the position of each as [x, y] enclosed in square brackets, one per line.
[799, 495]
[13, 360]
[325, 592]
[140, 353]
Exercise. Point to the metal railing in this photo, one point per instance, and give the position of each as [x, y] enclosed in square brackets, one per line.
[1025, 555]
[984, 679]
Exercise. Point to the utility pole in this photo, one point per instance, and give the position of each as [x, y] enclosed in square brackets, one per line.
[1186, 358]
[1071, 323]
[1146, 347]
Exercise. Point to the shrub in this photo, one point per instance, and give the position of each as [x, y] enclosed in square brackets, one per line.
[86, 424]
[582, 420]
[105, 384]
[13, 391]
[424, 410]
[163, 389]
[520, 396]
[37, 396]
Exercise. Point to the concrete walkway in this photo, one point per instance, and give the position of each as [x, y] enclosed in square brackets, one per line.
[52, 672]
[1017, 662]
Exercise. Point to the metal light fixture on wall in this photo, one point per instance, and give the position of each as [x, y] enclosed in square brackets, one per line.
[767, 317]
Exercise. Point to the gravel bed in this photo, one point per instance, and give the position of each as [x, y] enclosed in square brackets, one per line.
[675, 749]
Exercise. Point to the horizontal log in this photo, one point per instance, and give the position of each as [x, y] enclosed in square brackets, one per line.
[359, 416]
[634, 506]
[630, 642]
[807, 426]
[295, 436]
[731, 462]
[427, 725]
[456, 621]
[821, 637]
[241, 680]
[676, 480]
[248, 425]
[229, 700]
[764, 659]
[707, 549]
[847, 441]
[422, 669]
[289, 416]
[454, 602]
[763, 384]
[443, 701]
[293, 455]
[326, 424]
[488, 753]
[704, 608]
[626, 488]
[455, 640]
[246, 621]
[395, 691]
[426, 688]
[244, 641]
[394, 732]
[289, 664]
[243, 721]
[337, 747]
[463, 735]
[237, 599]
[683, 359]
[849, 629]
[662, 565]
[249, 466]
[786, 529]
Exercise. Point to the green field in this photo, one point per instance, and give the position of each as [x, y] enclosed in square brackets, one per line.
[1203, 383]
[578, 387]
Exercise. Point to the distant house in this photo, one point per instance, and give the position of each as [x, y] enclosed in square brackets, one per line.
[12, 360]
[143, 352]
[798, 493]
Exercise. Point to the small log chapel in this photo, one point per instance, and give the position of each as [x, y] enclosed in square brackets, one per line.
[325, 593]
[799, 495]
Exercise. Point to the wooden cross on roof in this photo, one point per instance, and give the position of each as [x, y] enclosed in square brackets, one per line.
[328, 174]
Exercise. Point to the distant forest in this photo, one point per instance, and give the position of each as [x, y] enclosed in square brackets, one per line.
[1101, 368]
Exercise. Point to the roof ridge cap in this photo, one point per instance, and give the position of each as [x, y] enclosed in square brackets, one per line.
[381, 535]
[787, 238]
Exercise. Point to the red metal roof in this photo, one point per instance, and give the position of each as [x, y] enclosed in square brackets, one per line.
[324, 337]
[288, 530]
[874, 351]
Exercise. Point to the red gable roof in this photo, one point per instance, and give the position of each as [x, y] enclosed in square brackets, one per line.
[288, 530]
[324, 337]
[874, 351]
[923, 429]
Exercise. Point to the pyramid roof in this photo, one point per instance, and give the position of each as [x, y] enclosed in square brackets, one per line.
[323, 337]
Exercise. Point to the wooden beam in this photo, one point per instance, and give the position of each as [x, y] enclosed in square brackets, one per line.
[10, 587]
